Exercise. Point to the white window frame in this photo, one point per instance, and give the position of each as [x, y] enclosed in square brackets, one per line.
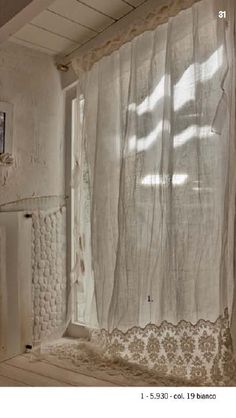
[74, 329]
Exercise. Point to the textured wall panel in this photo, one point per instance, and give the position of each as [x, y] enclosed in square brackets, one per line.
[49, 273]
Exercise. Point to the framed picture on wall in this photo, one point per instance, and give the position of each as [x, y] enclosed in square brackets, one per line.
[6, 127]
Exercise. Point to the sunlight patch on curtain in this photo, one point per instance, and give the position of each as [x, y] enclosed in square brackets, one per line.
[157, 187]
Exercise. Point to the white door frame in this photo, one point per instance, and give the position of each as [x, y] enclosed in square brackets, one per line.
[16, 283]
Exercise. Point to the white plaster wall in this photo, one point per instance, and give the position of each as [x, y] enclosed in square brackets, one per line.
[30, 81]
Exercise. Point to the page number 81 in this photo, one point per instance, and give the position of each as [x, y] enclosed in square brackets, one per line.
[222, 14]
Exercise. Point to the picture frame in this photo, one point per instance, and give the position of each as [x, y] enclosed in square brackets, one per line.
[6, 128]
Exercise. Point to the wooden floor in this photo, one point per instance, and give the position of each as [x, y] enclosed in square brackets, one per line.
[22, 371]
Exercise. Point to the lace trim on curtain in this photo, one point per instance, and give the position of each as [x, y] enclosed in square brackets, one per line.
[154, 18]
[200, 353]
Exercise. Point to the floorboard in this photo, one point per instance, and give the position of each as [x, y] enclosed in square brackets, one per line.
[68, 364]
[27, 377]
[6, 382]
[56, 372]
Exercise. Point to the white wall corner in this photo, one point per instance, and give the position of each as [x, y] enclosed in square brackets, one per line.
[14, 15]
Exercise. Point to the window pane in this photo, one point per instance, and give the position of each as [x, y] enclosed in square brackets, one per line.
[2, 131]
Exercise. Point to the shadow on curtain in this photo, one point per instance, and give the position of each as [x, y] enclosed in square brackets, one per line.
[155, 209]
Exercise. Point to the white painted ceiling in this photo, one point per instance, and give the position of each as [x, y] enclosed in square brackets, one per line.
[68, 24]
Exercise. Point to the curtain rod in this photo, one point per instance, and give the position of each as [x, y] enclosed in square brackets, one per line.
[152, 18]
[63, 63]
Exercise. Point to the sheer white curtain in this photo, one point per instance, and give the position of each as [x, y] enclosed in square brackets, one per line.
[157, 227]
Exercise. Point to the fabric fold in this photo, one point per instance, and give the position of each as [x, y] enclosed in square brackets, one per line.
[158, 174]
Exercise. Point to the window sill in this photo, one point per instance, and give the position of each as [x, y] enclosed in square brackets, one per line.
[76, 330]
